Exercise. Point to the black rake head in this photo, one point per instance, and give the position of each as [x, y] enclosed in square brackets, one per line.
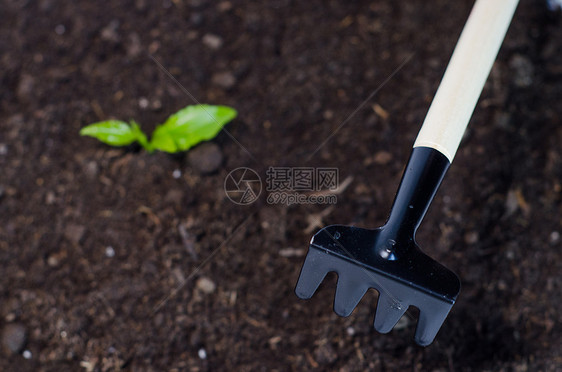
[402, 274]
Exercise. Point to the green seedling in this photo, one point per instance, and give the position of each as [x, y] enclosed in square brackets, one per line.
[181, 131]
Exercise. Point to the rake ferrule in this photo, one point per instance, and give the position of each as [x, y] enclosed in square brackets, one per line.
[421, 179]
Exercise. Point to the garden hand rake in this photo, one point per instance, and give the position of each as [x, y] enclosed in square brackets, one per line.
[388, 258]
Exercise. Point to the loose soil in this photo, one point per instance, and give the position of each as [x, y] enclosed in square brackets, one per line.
[114, 259]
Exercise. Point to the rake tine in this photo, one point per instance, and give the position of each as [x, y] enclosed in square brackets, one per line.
[348, 295]
[388, 313]
[429, 323]
[312, 274]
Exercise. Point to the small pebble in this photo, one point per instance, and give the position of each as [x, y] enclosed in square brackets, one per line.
[196, 19]
[554, 237]
[156, 105]
[3, 149]
[325, 354]
[159, 320]
[382, 157]
[50, 198]
[87, 365]
[143, 103]
[224, 79]
[13, 337]
[202, 354]
[471, 237]
[511, 203]
[205, 158]
[523, 71]
[53, 261]
[109, 32]
[350, 331]
[205, 285]
[74, 233]
[25, 86]
[45, 5]
[176, 173]
[60, 29]
[134, 46]
[174, 196]
[109, 251]
[27, 354]
[153, 47]
[141, 4]
[503, 120]
[91, 170]
[211, 41]
[224, 6]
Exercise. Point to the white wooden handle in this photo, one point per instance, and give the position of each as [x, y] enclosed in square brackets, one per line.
[465, 76]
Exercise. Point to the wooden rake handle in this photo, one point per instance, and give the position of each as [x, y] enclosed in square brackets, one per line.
[465, 76]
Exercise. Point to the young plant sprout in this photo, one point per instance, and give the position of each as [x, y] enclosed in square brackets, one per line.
[181, 131]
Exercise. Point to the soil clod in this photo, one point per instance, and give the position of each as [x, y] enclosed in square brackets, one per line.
[224, 79]
[205, 158]
[14, 337]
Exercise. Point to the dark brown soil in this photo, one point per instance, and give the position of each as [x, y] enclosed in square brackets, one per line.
[295, 70]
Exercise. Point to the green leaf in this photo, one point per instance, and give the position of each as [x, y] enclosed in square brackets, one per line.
[140, 136]
[191, 125]
[161, 140]
[112, 132]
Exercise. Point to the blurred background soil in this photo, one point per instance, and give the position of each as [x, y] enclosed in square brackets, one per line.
[114, 259]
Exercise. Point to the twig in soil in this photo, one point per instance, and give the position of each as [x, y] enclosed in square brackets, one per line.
[187, 240]
[341, 188]
[311, 360]
[315, 220]
[256, 323]
[97, 109]
[291, 252]
[143, 209]
[381, 112]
